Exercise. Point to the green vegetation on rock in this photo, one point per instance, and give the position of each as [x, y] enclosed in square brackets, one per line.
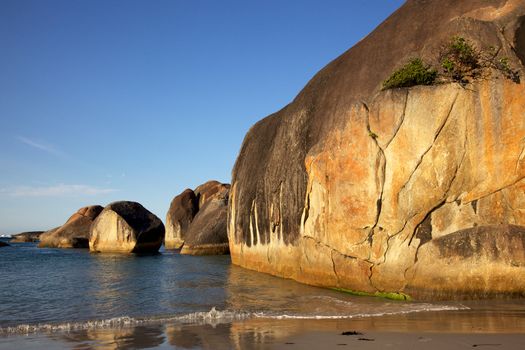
[460, 61]
[415, 72]
[386, 295]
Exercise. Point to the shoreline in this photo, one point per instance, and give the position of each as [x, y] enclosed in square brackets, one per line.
[433, 330]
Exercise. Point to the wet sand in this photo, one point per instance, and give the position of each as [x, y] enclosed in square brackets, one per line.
[448, 330]
[404, 341]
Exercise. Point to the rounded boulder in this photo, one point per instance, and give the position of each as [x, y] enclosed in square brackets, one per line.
[126, 227]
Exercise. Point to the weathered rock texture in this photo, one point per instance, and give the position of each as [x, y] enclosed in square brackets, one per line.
[180, 215]
[207, 234]
[370, 190]
[196, 220]
[74, 233]
[31, 236]
[126, 227]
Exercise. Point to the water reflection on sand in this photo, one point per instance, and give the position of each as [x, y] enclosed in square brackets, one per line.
[106, 339]
[266, 333]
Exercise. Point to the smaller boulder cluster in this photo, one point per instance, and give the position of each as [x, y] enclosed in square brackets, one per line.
[122, 227]
[196, 220]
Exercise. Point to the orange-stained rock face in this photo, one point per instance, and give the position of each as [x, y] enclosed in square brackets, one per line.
[369, 189]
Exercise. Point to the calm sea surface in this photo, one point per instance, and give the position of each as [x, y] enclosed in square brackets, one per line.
[60, 290]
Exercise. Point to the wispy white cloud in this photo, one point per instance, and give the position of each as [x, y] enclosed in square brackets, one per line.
[43, 146]
[60, 190]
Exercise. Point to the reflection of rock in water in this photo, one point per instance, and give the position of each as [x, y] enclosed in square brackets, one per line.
[253, 334]
[119, 338]
[258, 334]
[203, 337]
[273, 294]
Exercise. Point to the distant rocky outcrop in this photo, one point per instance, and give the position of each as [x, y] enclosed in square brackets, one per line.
[196, 220]
[30, 236]
[416, 190]
[126, 227]
[74, 233]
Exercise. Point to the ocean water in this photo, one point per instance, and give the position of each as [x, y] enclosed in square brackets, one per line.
[71, 294]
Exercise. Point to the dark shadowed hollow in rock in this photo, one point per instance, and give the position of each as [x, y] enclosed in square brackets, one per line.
[520, 40]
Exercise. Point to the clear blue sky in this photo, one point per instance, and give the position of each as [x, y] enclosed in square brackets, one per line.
[104, 100]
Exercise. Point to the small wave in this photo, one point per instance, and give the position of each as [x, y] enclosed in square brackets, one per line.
[212, 317]
[360, 315]
[70, 326]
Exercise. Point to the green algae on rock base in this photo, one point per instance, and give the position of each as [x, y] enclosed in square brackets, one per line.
[384, 295]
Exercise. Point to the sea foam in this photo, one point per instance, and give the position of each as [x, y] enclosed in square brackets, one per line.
[211, 317]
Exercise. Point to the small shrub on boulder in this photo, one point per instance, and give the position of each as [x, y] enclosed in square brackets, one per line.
[463, 62]
[460, 60]
[415, 72]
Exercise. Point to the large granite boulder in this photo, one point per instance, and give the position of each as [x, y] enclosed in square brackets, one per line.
[126, 227]
[24, 237]
[207, 233]
[349, 186]
[74, 233]
[207, 238]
